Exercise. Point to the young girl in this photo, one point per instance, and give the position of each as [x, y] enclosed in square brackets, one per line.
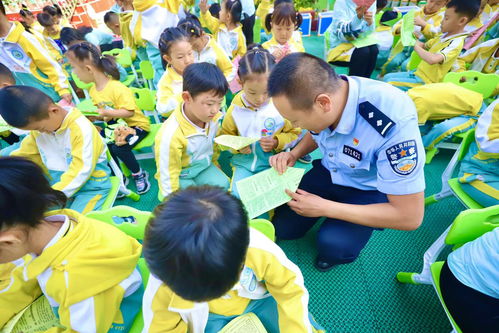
[85, 268]
[51, 31]
[227, 30]
[115, 101]
[252, 114]
[282, 23]
[30, 61]
[177, 53]
[30, 20]
[56, 13]
[205, 48]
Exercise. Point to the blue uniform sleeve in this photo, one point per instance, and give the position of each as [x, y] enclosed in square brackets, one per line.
[401, 159]
[346, 26]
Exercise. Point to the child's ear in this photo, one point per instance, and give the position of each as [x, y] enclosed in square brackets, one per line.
[464, 21]
[238, 79]
[11, 237]
[186, 97]
[166, 58]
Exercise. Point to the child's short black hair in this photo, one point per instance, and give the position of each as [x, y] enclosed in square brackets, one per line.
[6, 75]
[215, 10]
[191, 25]
[21, 104]
[467, 8]
[197, 241]
[203, 77]
[300, 77]
[53, 10]
[380, 4]
[24, 182]
[235, 8]
[110, 17]
[69, 35]
[45, 19]
[387, 16]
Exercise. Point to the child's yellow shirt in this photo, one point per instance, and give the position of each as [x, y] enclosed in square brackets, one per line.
[449, 47]
[480, 58]
[294, 46]
[182, 148]
[169, 91]
[266, 272]
[116, 95]
[232, 42]
[214, 54]
[432, 28]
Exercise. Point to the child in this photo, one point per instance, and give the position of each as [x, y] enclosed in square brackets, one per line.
[438, 54]
[282, 23]
[352, 23]
[252, 114]
[482, 58]
[51, 31]
[208, 267]
[177, 54]
[112, 21]
[30, 61]
[115, 101]
[85, 268]
[7, 79]
[227, 29]
[385, 36]
[205, 48]
[63, 142]
[56, 13]
[184, 144]
[30, 20]
[98, 37]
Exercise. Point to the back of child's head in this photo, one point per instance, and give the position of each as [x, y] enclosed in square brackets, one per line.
[53, 10]
[256, 61]
[465, 8]
[203, 77]
[235, 8]
[380, 4]
[215, 10]
[19, 105]
[169, 37]
[111, 17]
[25, 12]
[197, 241]
[284, 13]
[24, 182]
[86, 51]
[45, 20]
[6, 76]
[191, 25]
[387, 17]
[69, 36]
[305, 77]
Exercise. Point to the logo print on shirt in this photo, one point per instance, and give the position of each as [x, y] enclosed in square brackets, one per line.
[17, 54]
[403, 157]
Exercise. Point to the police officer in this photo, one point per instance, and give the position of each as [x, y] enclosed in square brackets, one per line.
[371, 174]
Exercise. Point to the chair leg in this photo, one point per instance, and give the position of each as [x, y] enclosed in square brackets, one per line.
[445, 191]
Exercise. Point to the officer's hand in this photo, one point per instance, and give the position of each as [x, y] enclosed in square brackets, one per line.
[268, 143]
[246, 150]
[281, 161]
[306, 204]
[361, 10]
[368, 17]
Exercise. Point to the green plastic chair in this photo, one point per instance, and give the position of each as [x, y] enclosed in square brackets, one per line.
[257, 30]
[124, 58]
[264, 226]
[146, 101]
[147, 73]
[484, 84]
[414, 61]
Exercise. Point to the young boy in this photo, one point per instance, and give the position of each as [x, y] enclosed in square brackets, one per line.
[439, 54]
[51, 31]
[63, 142]
[371, 174]
[85, 268]
[208, 268]
[184, 144]
[7, 79]
[30, 61]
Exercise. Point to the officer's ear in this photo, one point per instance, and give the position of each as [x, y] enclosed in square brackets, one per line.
[324, 102]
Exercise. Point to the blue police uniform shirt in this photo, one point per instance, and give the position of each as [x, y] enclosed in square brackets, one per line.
[376, 144]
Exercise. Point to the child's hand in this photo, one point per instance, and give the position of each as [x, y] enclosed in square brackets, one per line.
[278, 54]
[246, 150]
[282, 161]
[368, 17]
[419, 44]
[103, 112]
[420, 22]
[268, 143]
[361, 10]
[68, 98]
[203, 6]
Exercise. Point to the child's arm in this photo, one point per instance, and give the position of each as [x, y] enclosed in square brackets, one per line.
[116, 113]
[430, 58]
[287, 136]
[168, 151]
[241, 45]
[29, 150]
[224, 63]
[157, 317]
[467, 58]
[206, 19]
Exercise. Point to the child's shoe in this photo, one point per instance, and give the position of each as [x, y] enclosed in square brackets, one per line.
[142, 182]
[306, 159]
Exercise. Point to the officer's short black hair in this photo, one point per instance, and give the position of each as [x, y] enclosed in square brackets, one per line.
[19, 105]
[6, 75]
[196, 243]
[204, 77]
[300, 77]
[467, 8]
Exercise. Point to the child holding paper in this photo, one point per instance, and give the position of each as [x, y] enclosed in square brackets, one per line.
[252, 114]
[184, 144]
[208, 268]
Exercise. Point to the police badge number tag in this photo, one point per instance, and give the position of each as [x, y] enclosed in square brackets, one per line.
[403, 157]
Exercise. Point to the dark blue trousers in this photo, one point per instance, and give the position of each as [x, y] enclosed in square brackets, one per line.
[338, 241]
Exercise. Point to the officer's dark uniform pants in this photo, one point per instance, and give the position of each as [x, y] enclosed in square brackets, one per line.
[338, 241]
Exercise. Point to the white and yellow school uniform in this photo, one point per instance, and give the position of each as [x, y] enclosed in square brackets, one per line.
[478, 174]
[31, 63]
[214, 54]
[267, 275]
[294, 46]
[134, 43]
[490, 11]
[232, 42]
[55, 40]
[88, 274]
[116, 95]
[185, 155]
[15, 292]
[243, 120]
[265, 7]
[432, 28]
[169, 95]
[75, 159]
[480, 58]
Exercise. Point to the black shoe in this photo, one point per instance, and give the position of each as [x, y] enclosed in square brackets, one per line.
[142, 182]
[323, 266]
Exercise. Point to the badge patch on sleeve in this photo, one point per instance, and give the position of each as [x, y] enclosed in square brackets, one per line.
[403, 157]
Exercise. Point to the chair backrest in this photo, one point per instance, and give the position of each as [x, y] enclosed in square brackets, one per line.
[264, 227]
[79, 83]
[146, 69]
[471, 224]
[145, 98]
[122, 56]
[465, 144]
[484, 84]
[414, 61]
[129, 220]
